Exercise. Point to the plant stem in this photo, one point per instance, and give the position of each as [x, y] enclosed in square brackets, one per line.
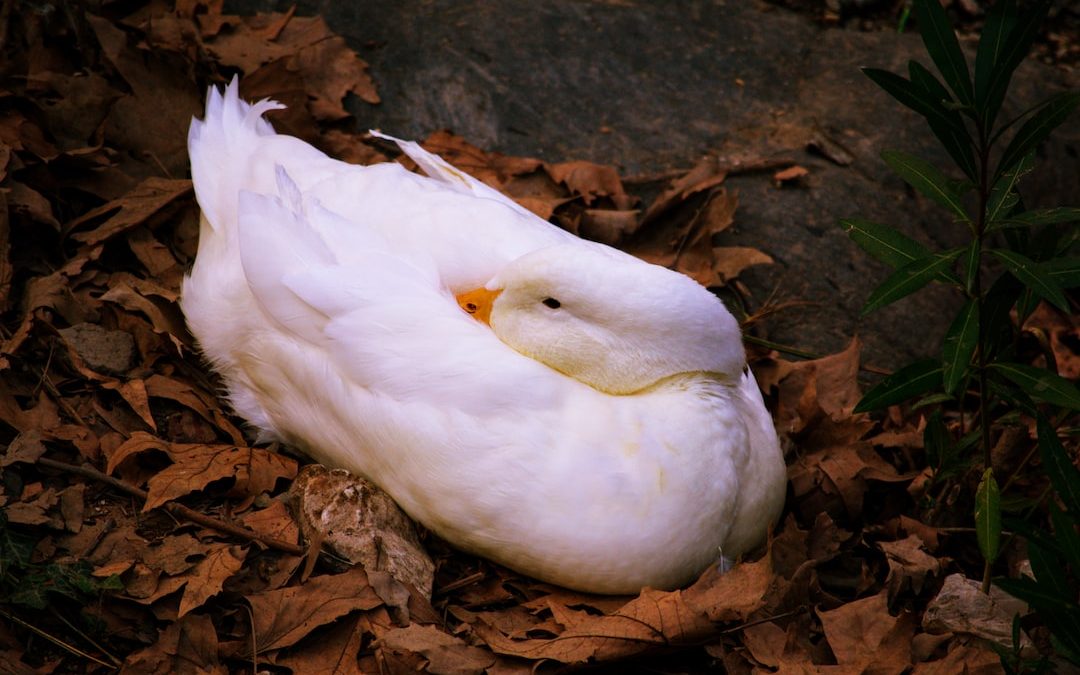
[977, 295]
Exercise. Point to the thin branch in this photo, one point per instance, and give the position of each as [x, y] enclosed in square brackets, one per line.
[176, 509]
[115, 661]
[56, 641]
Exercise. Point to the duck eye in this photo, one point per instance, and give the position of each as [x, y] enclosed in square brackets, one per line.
[552, 303]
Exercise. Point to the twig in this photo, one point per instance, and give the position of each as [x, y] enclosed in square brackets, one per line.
[750, 624]
[56, 641]
[460, 583]
[176, 509]
[115, 661]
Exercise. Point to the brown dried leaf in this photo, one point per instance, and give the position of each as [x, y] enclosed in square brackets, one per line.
[766, 643]
[131, 210]
[26, 448]
[336, 652]
[705, 175]
[863, 633]
[134, 392]
[189, 645]
[1063, 334]
[30, 203]
[790, 174]
[282, 617]
[274, 521]
[444, 653]
[331, 71]
[196, 466]
[210, 575]
[653, 619]
[730, 261]
[172, 554]
[908, 564]
[974, 658]
[34, 508]
[591, 181]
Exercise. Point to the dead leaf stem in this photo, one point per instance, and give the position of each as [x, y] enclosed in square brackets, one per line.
[56, 641]
[115, 661]
[176, 509]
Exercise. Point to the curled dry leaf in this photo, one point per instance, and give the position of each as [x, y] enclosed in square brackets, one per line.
[653, 619]
[361, 523]
[908, 564]
[196, 465]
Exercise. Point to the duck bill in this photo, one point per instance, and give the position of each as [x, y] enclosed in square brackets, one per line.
[478, 303]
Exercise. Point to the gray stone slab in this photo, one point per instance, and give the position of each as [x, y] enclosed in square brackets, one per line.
[651, 86]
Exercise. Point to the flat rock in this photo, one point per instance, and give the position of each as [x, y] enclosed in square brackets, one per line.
[107, 351]
[651, 86]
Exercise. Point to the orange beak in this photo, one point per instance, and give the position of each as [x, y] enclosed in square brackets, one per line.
[478, 303]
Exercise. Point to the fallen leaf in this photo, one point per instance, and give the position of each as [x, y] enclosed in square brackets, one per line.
[653, 619]
[908, 564]
[789, 175]
[130, 211]
[282, 617]
[444, 653]
[863, 633]
[336, 652]
[26, 447]
[187, 645]
[206, 579]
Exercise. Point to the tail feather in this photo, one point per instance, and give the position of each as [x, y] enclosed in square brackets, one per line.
[438, 168]
[229, 125]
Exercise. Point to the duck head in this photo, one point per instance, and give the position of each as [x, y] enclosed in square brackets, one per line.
[607, 319]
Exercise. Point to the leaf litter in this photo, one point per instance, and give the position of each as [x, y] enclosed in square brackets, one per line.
[127, 480]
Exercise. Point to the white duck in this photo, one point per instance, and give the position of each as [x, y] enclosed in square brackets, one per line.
[603, 433]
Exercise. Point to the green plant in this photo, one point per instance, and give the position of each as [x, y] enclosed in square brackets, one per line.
[1014, 258]
[28, 587]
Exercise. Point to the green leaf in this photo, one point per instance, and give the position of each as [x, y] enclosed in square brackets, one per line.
[927, 179]
[1063, 474]
[946, 124]
[908, 382]
[1064, 271]
[1032, 275]
[1052, 216]
[932, 399]
[997, 326]
[1000, 21]
[1039, 596]
[919, 99]
[971, 260]
[909, 278]
[1041, 384]
[936, 440]
[1003, 197]
[944, 48]
[959, 346]
[1068, 539]
[885, 243]
[1046, 565]
[1036, 129]
[1013, 50]
[988, 516]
